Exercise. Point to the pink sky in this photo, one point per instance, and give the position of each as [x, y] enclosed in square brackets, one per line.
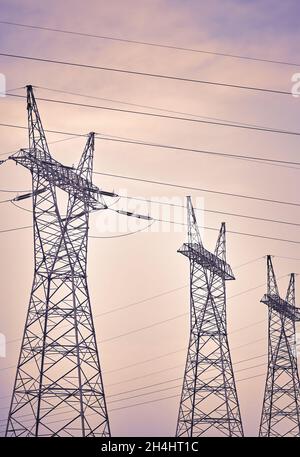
[131, 269]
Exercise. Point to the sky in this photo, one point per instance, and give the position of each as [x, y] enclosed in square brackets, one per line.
[133, 270]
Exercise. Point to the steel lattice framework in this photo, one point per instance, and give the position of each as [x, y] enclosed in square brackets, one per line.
[209, 403]
[58, 388]
[281, 405]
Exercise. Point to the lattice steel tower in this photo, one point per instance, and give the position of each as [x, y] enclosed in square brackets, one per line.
[209, 403]
[58, 388]
[281, 406]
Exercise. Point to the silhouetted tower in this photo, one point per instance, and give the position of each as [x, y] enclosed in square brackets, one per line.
[281, 406]
[209, 403]
[58, 388]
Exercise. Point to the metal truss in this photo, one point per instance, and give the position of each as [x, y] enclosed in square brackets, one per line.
[281, 405]
[209, 403]
[58, 388]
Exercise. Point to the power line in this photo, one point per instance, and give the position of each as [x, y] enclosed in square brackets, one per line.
[205, 210]
[176, 205]
[288, 258]
[156, 45]
[146, 74]
[170, 368]
[122, 235]
[149, 401]
[50, 142]
[12, 191]
[265, 161]
[233, 232]
[174, 366]
[209, 120]
[158, 296]
[177, 366]
[176, 379]
[176, 396]
[251, 235]
[179, 186]
[14, 229]
[202, 151]
[168, 388]
[173, 379]
[170, 319]
[153, 297]
[156, 384]
[156, 108]
[161, 116]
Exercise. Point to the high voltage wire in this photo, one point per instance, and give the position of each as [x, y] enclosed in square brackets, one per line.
[170, 319]
[235, 348]
[179, 186]
[173, 222]
[76, 136]
[151, 44]
[209, 120]
[169, 368]
[188, 187]
[14, 229]
[156, 108]
[205, 210]
[149, 401]
[143, 403]
[162, 116]
[251, 235]
[176, 379]
[146, 74]
[107, 137]
[167, 388]
[177, 366]
[155, 45]
[13, 190]
[173, 379]
[153, 385]
[176, 396]
[158, 296]
[202, 151]
[173, 367]
[180, 223]
[122, 235]
[153, 297]
[264, 161]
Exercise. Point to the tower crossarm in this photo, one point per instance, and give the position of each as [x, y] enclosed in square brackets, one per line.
[281, 306]
[208, 260]
[62, 176]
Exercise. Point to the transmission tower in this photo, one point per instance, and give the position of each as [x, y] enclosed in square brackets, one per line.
[281, 405]
[58, 388]
[209, 403]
